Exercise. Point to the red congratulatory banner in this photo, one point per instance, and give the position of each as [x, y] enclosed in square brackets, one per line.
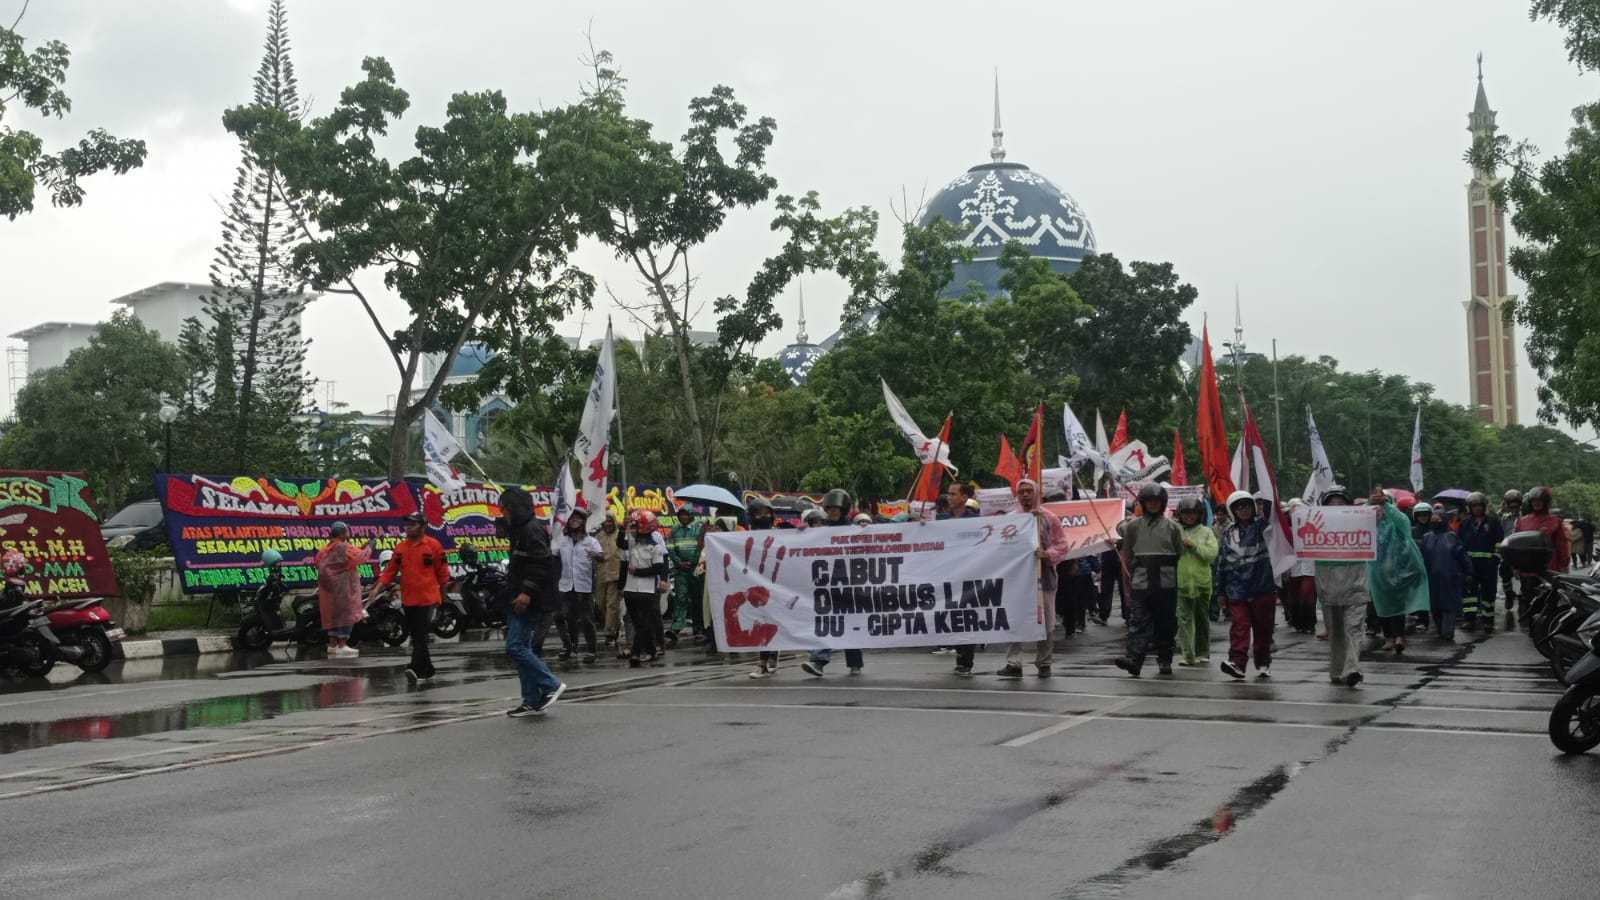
[49, 517]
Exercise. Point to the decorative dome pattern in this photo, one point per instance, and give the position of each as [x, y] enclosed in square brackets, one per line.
[1002, 201]
[797, 359]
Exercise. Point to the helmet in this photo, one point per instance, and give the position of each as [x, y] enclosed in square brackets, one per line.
[1294, 502]
[271, 557]
[1336, 490]
[758, 503]
[683, 507]
[1238, 497]
[1422, 510]
[1476, 498]
[1153, 491]
[578, 512]
[385, 556]
[812, 516]
[837, 497]
[1261, 497]
[643, 518]
[1540, 493]
[1404, 504]
[467, 550]
[12, 562]
[1512, 496]
[1192, 504]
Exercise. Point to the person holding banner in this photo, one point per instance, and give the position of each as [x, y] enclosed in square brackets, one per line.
[762, 519]
[836, 513]
[1152, 545]
[531, 580]
[419, 563]
[1342, 588]
[1053, 547]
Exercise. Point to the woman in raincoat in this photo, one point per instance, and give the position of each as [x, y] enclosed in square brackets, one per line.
[1396, 578]
[339, 587]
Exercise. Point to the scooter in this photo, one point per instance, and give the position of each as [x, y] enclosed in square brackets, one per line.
[475, 602]
[86, 632]
[27, 644]
[385, 622]
[263, 620]
[1575, 720]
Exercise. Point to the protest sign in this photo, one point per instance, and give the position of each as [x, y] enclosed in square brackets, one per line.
[1335, 532]
[1091, 525]
[219, 525]
[49, 518]
[960, 581]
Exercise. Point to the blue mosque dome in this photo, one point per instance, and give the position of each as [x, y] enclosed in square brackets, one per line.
[1002, 201]
[798, 357]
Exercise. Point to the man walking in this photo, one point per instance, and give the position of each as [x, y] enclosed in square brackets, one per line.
[531, 580]
[1053, 546]
[1342, 587]
[683, 553]
[577, 550]
[418, 562]
[608, 578]
[1151, 547]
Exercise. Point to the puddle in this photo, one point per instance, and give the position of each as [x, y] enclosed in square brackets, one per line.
[215, 712]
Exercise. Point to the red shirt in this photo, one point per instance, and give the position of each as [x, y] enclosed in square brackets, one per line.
[422, 570]
[1555, 530]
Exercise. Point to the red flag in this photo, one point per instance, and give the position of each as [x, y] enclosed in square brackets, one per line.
[1032, 453]
[931, 479]
[1009, 467]
[1119, 438]
[1180, 474]
[1214, 459]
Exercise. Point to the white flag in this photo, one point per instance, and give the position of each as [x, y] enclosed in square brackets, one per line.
[927, 449]
[1321, 472]
[1416, 454]
[1079, 448]
[1239, 472]
[593, 444]
[566, 497]
[1100, 443]
[1134, 462]
[438, 447]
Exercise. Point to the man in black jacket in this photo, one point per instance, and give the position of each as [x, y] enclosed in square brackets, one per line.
[531, 583]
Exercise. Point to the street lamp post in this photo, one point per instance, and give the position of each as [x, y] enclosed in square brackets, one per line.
[167, 414]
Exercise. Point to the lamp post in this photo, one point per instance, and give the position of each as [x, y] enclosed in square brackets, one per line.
[167, 414]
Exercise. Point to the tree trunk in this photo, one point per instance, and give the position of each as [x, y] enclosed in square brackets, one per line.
[253, 334]
[404, 414]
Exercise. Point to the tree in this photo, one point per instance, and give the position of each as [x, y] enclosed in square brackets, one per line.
[1557, 215]
[470, 229]
[678, 200]
[258, 382]
[35, 80]
[96, 413]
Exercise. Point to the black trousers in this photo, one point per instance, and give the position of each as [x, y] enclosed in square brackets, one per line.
[1153, 624]
[579, 607]
[1111, 576]
[645, 612]
[965, 654]
[1074, 595]
[418, 618]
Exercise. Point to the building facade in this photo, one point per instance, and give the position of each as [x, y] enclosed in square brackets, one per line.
[1491, 337]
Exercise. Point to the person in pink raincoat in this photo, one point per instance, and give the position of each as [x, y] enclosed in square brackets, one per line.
[339, 587]
[1053, 547]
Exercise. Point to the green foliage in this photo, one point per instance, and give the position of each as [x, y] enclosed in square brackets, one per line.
[1578, 498]
[1581, 21]
[35, 80]
[138, 571]
[771, 440]
[96, 413]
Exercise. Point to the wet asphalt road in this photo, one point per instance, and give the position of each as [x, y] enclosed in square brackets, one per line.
[278, 777]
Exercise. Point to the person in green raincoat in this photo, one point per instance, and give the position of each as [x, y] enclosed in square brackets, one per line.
[1396, 578]
[1194, 582]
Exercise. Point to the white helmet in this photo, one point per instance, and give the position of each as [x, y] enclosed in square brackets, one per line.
[384, 557]
[1237, 497]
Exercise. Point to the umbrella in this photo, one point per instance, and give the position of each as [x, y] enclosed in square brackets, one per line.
[1402, 497]
[708, 493]
[1455, 494]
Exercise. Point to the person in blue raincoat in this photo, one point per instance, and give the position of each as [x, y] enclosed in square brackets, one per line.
[1449, 573]
[1396, 577]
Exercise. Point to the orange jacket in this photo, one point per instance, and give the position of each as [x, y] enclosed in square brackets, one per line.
[422, 570]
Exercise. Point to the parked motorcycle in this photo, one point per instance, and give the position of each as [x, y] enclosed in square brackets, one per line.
[476, 600]
[1575, 720]
[385, 622]
[27, 645]
[86, 632]
[263, 621]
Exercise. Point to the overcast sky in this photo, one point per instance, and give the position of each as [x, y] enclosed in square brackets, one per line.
[1309, 153]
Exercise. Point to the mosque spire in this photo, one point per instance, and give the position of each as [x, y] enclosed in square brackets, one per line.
[802, 337]
[998, 152]
[1481, 120]
[1238, 320]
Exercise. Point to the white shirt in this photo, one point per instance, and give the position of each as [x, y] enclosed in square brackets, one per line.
[577, 568]
[643, 555]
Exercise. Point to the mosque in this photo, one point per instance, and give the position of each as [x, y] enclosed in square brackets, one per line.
[994, 202]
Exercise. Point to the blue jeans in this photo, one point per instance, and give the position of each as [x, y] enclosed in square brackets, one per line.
[852, 658]
[536, 677]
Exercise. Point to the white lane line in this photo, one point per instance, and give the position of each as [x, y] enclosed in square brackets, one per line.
[1073, 722]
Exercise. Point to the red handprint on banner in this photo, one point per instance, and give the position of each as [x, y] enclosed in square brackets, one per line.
[762, 629]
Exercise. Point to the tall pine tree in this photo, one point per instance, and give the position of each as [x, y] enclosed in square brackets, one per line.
[257, 381]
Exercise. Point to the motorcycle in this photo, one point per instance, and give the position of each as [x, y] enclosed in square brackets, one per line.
[27, 644]
[263, 621]
[385, 622]
[86, 632]
[1575, 720]
[476, 600]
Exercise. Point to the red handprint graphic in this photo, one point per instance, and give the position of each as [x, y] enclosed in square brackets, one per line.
[759, 634]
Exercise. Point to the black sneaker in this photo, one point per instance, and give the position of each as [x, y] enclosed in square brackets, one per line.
[551, 698]
[1127, 665]
[1010, 672]
[811, 668]
[523, 710]
[1232, 670]
[1165, 668]
[564, 655]
[962, 671]
[1042, 671]
[590, 657]
[411, 675]
[1353, 679]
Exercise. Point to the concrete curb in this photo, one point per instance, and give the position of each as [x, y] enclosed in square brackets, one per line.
[190, 646]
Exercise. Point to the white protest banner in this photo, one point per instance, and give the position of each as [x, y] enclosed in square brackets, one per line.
[1335, 532]
[908, 584]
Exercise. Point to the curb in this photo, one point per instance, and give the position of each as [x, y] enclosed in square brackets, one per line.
[192, 646]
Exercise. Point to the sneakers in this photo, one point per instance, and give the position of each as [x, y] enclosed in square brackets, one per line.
[1353, 679]
[962, 671]
[1165, 668]
[1264, 673]
[1202, 660]
[1233, 671]
[550, 698]
[760, 672]
[943, 651]
[411, 675]
[522, 711]
[1132, 667]
[564, 655]
[590, 657]
[811, 668]
[1042, 671]
[855, 670]
[1010, 672]
[1188, 663]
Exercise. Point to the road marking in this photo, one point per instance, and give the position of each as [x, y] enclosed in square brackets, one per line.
[1073, 722]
